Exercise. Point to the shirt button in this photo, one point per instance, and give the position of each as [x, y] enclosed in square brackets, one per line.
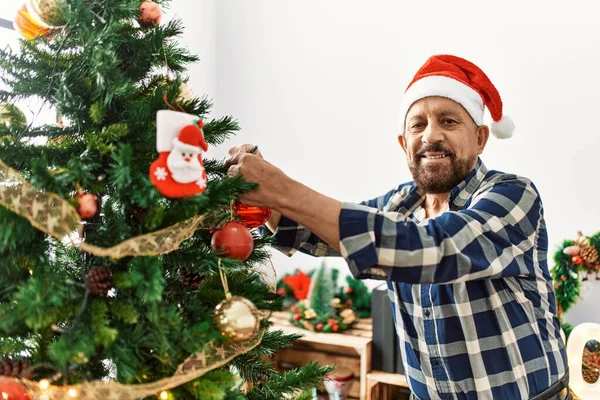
[427, 313]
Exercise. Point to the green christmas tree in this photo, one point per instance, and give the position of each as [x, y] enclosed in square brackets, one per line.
[322, 292]
[71, 314]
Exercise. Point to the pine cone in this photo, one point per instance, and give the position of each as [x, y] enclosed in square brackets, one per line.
[138, 213]
[99, 281]
[590, 375]
[590, 367]
[15, 368]
[191, 280]
[589, 254]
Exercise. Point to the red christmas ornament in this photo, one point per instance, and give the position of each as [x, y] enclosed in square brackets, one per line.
[89, 206]
[281, 291]
[319, 327]
[149, 14]
[297, 317]
[577, 260]
[349, 290]
[335, 328]
[11, 389]
[251, 216]
[233, 241]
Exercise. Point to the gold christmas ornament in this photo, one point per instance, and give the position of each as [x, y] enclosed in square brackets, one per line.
[348, 315]
[49, 12]
[12, 117]
[185, 94]
[310, 314]
[237, 318]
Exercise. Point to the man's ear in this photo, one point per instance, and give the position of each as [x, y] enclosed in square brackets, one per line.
[483, 134]
[402, 141]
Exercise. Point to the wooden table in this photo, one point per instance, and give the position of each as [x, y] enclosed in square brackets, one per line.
[351, 350]
[386, 379]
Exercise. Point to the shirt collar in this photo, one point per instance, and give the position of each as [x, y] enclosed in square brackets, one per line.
[461, 193]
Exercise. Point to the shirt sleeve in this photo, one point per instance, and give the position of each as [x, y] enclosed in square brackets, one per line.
[291, 236]
[495, 236]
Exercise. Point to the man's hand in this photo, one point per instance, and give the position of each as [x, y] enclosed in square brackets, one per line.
[246, 160]
[279, 192]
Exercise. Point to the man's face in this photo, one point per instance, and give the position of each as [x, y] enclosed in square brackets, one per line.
[441, 143]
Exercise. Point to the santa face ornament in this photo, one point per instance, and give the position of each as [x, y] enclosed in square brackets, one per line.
[179, 170]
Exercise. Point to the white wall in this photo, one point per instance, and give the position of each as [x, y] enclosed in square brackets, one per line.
[317, 85]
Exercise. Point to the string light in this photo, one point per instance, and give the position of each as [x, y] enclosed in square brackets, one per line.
[44, 384]
[72, 393]
[164, 395]
[5, 396]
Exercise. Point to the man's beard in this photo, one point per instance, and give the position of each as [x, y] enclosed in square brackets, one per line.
[439, 178]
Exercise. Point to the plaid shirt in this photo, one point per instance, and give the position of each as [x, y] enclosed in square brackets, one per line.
[472, 296]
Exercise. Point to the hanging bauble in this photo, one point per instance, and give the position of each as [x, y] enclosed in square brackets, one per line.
[185, 94]
[88, 205]
[28, 26]
[237, 319]
[12, 117]
[150, 14]
[251, 216]
[577, 260]
[233, 241]
[47, 12]
[11, 389]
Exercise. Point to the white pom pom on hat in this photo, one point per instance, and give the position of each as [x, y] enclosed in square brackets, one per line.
[462, 81]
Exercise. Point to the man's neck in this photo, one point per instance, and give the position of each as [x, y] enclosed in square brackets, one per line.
[436, 204]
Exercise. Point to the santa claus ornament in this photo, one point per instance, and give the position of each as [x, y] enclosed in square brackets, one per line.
[179, 170]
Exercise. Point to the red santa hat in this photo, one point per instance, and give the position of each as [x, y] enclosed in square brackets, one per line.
[191, 139]
[462, 81]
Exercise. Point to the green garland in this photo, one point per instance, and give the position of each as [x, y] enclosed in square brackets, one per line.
[566, 272]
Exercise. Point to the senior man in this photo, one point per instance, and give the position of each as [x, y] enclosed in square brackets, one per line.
[463, 249]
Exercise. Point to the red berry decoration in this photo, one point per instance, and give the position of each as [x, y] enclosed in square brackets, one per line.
[89, 206]
[577, 260]
[251, 216]
[149, 14]
[335, 328]
[349, 290]
[297, 317]
[11, 389]
[319, 327]
[233, 241]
